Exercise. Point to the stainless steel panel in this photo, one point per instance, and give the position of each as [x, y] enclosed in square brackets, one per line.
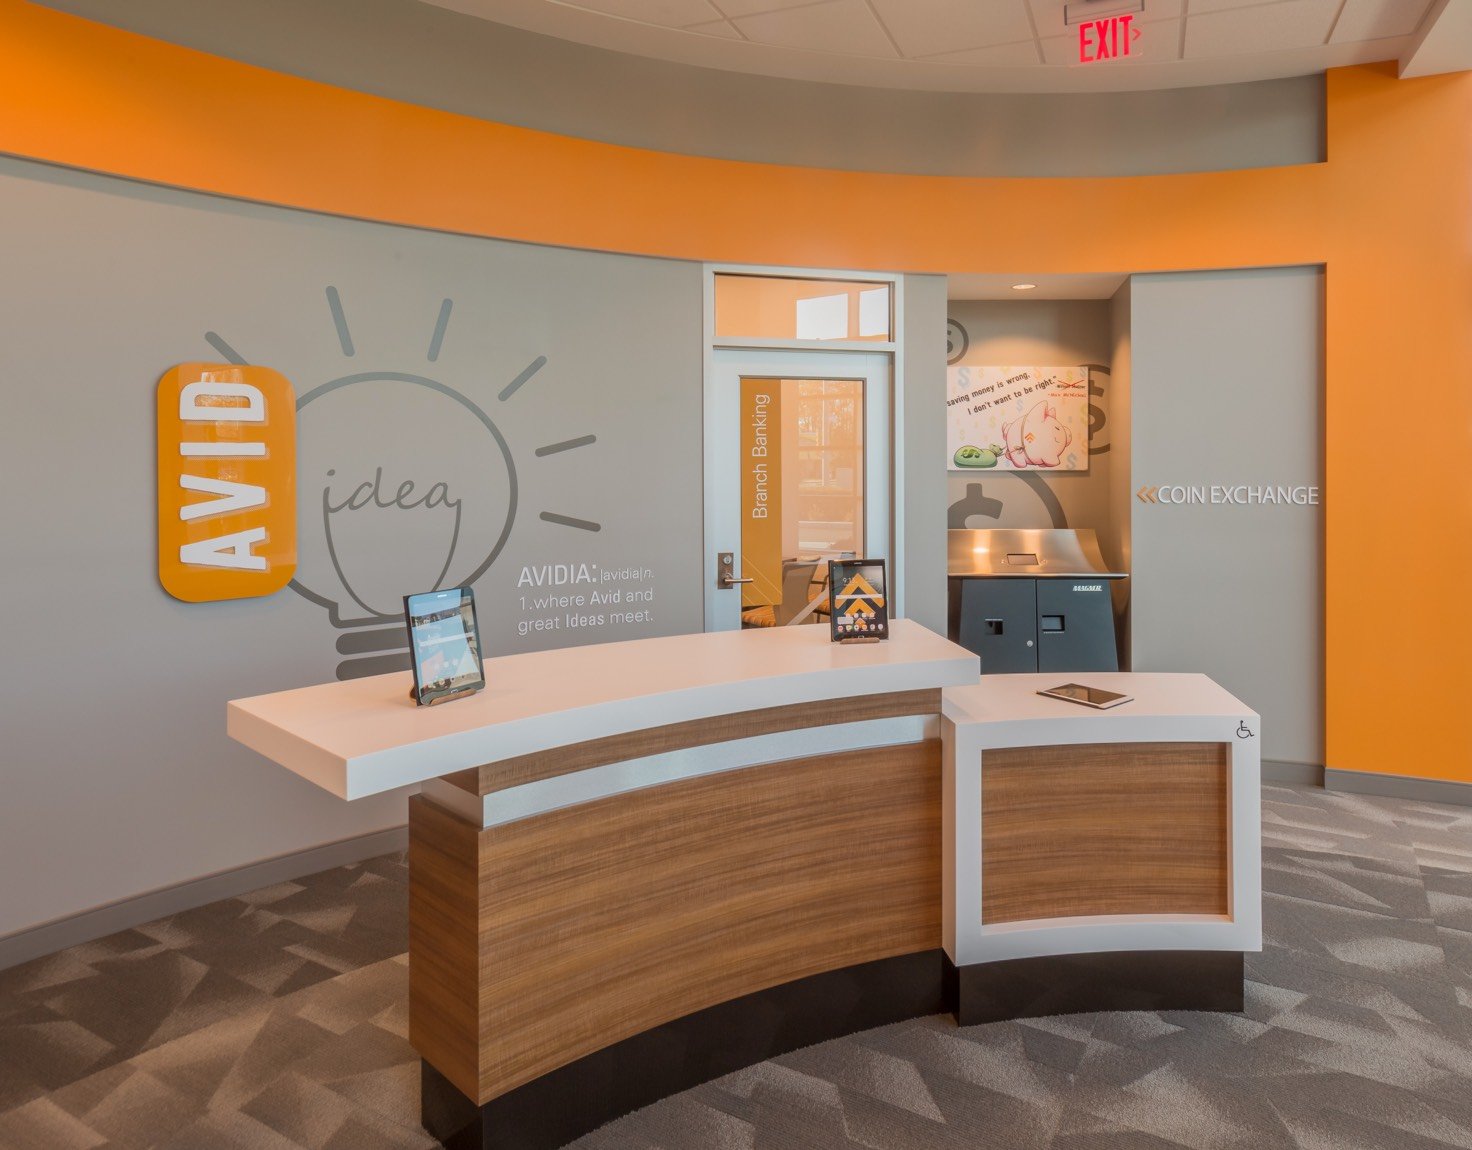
[1029, 553]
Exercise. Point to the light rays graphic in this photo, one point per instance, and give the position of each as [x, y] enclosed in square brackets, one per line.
[566, 445]
[569, 521]
[227, 353]
[511, 389]
[527, 372]
[340, 321]
[439, 330]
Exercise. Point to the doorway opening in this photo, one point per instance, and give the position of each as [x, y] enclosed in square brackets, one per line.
[799, 441]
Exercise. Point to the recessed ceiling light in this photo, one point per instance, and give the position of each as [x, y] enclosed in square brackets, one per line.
[1023, 287]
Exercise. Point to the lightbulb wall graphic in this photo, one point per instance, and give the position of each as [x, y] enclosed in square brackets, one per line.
[423, 501]
[405, 484]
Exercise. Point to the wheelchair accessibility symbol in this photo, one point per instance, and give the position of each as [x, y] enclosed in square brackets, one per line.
[1242, 731]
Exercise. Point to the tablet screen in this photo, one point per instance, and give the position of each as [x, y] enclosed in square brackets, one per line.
[1093, 696]
[859, 609]
[444, 642]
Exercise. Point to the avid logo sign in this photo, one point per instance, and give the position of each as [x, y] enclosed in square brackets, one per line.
[226, 482]
[1241, 494]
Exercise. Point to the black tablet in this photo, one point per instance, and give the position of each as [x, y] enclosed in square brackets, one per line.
[859, 610]
[444, 645]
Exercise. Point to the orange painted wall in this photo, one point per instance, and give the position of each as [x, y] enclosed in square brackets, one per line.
[1389, 213]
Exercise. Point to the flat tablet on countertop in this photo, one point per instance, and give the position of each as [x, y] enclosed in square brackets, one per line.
[1095, 697]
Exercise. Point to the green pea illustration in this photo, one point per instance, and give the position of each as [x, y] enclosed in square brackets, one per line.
[970, 456]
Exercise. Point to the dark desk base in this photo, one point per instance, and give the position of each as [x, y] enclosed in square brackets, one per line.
[1082, 983]
[569, 1102]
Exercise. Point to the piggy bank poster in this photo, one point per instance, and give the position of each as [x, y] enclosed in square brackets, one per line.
[1018, 418]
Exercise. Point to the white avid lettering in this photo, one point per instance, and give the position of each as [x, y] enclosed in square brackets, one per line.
[233, 497]
[192, 411]
[233, 551]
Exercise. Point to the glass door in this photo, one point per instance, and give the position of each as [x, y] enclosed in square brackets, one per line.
[798, 473]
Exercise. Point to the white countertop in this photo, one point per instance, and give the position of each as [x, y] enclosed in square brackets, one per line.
[1012, 709]
[366, 736]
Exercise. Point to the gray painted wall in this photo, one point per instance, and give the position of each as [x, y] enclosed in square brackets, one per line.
[1119, 548]
[126, 781]
[1226, 388]
[428, 55]
[922, 427]
[1047, 333]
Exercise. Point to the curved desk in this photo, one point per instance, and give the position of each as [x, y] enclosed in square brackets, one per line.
[638, 866]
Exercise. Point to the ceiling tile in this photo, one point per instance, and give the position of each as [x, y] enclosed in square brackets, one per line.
[1157, 42]
[1378, 19]
[665, 13]
[753, 7]
[1048, 14]
[845, 42]
[925, 27]
[844, 26]
[1020, 55]
[1263, 29]
[1199, 7]
[718, 28]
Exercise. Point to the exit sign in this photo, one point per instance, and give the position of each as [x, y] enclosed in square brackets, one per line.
[1106, 39]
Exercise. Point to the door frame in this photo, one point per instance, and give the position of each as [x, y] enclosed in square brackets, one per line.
[894, 348]
[723, 524]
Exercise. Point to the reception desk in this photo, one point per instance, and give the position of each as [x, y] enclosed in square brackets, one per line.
[638, 866]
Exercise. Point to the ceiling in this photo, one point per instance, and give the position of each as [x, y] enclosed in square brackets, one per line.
[1000, 45]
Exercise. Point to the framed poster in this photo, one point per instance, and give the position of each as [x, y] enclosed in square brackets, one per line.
[859, 609]
[1017, 418]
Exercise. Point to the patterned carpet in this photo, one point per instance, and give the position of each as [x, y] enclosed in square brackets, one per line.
[277, 1021]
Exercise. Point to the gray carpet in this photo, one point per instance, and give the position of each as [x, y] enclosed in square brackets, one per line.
[277, 1021]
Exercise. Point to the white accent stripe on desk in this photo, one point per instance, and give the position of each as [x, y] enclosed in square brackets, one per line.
[529, 799]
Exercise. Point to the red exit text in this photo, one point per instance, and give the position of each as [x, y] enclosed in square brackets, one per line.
[1106, 39]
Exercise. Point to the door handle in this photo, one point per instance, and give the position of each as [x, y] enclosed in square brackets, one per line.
[726, 577]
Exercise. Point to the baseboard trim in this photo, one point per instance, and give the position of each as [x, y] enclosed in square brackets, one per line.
[1282, 771]
[1398, 786]
[72, 930]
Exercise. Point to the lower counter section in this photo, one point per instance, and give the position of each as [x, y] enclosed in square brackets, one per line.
[1072, 831]
[577, 1098]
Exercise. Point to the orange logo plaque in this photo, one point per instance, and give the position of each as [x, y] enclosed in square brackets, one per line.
[226, 481]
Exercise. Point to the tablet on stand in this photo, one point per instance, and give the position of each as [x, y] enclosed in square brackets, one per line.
[444, 645]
